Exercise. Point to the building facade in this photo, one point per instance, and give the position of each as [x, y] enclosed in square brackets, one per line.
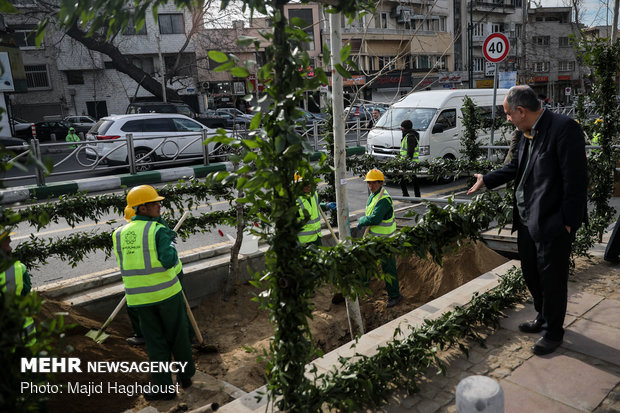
[65, 78]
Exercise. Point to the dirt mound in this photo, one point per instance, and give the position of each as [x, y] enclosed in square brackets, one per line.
[241, 331]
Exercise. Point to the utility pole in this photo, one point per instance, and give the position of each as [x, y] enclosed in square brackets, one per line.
[340, 160]
[614, 27]
[162, 69]
[470, 54]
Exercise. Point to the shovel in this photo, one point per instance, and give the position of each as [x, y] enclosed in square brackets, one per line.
[100, 335]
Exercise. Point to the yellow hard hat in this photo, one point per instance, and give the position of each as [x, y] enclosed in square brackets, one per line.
[5, 234]
[374, 175]
[129, 213]
[141, 195]
[298, 177]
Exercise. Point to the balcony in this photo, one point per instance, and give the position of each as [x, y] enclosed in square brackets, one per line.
[493, 6]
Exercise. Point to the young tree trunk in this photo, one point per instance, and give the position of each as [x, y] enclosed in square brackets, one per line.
[233, 265]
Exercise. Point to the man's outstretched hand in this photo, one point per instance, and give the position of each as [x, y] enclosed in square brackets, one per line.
[479, 184]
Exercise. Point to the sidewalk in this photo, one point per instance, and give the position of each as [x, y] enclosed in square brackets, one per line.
[583, 375]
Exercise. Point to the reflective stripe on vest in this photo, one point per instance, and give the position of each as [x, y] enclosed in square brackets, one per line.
[311, 231]
[146, 280]
[403, 149]
[13, 280]
[388, 226]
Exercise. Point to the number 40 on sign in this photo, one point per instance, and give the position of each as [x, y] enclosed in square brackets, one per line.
[495, 47]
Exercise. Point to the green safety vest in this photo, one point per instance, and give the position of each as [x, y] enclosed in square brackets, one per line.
[403, 149]
[146, 280]
[388, 226]
[13, 280]
[311, 231]
[595, 138]
[72, 137]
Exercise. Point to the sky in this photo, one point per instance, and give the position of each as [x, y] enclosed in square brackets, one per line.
[593, 12]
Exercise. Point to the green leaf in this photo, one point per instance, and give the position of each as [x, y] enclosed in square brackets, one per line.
[218, 56]
[256, 120]
[239, 71]
[7, 7]
[343, 72]
[224, 67]
[345, 52]
[245, 41]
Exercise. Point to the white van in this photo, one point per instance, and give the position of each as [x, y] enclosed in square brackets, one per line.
[436, 115]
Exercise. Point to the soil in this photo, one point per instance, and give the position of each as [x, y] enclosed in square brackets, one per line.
[236, 325]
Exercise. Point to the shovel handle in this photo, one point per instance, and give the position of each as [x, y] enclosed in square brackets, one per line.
[112, 316]
[178, 225]
[328, 225]
[192, 320]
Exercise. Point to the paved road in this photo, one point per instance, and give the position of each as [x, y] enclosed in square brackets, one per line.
[56, 270]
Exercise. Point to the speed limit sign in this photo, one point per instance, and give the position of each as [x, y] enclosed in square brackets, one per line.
[495, 47]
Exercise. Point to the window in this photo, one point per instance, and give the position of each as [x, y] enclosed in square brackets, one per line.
[387, 62]
[308, 28]
[131, 28]
[518, 30]
[381, 21]
[447, 119]
[566, 66]
[541, 40]
[171, 24]
[564, 42]
[75, 77]
[441, 63]
[541, 66]
[423, 62]
[186, 125]
[158, 125]
[478, 29]
[37, 76]
[478, 64]
[442, 23]
[497, 27]
[144, 63]
[25, 39]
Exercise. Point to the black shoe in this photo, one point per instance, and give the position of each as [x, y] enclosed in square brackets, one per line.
[135, 340]
[534, 326]
[391, 302]
[338, 298]
[185, 383]
[406, 195]
[545, 346]
[151, 396]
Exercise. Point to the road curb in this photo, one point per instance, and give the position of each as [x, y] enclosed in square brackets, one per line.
[55, 189]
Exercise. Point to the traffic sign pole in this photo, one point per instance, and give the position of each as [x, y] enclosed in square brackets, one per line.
[495, 49]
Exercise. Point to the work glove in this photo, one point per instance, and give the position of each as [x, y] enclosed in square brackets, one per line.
[331, 206]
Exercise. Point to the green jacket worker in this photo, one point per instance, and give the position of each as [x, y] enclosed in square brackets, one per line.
[72, 137]
[16, 279]
[380, 218]
[150, 268]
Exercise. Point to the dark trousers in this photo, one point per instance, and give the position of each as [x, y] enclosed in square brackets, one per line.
[545, 269]
[612, 252]
[388, 265]
[165, 330]
[416, 186]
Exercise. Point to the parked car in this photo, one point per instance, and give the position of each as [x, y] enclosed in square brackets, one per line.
[231, 120]
[310, 117]
[161, 107]
[16, 146]
[236, 113]
[45, 129]
[363, 111]
[176, 134]
[19, 125]
[81, 123]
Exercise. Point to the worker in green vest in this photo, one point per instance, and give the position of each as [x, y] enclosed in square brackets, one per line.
[72, 137]
[16, 279]
[150, 267]
[309, 207]
[380, 220]
[409, 145]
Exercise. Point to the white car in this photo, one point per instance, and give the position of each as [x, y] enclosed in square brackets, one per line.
[81, 123]
[156, 137]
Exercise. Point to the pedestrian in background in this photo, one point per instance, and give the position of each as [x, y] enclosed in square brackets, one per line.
[150, 267]
[550, 200]
[409, 150]
[380, 220]
[72, 137]
[374, 118]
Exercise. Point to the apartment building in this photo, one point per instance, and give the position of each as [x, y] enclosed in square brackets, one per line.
[552, 69]
[474, 21]
[64, 77]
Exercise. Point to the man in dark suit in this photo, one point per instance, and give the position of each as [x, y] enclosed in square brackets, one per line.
[550, 203]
